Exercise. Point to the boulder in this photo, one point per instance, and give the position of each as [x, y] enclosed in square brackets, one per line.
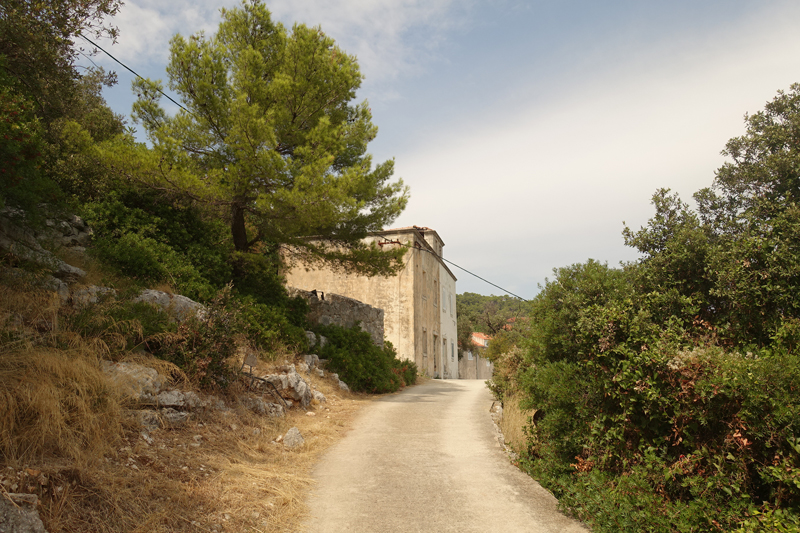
[91, 294]
[312, 338]
[148, 419]
[171, 398]
[18, 514]
[293, 438]
[311, 360]
[138, 382]
[262, 407]
[343, 386]
[178, 307]
[319, 396]
[291, 385]
[171, 418]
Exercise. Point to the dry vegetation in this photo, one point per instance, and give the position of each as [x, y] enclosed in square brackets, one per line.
[66, 436]
[514, 422]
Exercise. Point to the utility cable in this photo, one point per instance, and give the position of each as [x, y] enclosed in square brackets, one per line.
[168, 97]
[464, 269]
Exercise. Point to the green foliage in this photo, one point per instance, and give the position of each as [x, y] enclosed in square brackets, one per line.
[203, 345]
[155, 239]
[271, 134]
[21, 181]
[667, 392]
[361, 364]
[487, 314]
[269, 326]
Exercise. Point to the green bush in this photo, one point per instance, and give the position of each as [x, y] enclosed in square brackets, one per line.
[268, 326]
[361, 364]
[202, 346]
[156, 239]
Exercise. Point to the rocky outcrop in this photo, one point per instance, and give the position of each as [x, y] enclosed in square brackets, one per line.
[293, 439]
[178, 307]
[291, 385]
[18, 514]
[139, 383]
[90, 295]
[19, 240]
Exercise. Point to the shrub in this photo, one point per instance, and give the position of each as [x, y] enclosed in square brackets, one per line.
[361, 364]
[155, 239]
[202, 346]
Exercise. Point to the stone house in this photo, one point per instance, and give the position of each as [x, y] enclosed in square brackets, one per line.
[418, 303]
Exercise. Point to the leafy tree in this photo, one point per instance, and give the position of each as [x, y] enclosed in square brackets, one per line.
[270, 135]
[37, 40]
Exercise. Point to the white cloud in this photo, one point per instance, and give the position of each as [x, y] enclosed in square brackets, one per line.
[525, 187]
[391, 38]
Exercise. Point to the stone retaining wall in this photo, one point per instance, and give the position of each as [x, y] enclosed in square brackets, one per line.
[326, 309]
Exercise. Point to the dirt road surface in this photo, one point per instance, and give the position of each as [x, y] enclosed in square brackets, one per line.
[428, 460]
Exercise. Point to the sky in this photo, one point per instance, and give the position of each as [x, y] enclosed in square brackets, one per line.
[529, 133]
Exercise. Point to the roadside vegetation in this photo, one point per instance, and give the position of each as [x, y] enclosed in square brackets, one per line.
[268, 149]
[664, 395]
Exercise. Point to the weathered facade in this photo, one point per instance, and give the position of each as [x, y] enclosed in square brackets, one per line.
[329, 308]
[418, 303]
[473, 366]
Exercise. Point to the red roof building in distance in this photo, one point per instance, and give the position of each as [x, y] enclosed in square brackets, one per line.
[480, 339]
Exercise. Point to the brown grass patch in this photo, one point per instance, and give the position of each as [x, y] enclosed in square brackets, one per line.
[514, 422]
[222, 471]
[66, 435]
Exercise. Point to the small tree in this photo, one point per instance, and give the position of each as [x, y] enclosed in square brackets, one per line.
[270, 134]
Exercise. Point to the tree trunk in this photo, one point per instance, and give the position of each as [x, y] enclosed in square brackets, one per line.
[238, 229]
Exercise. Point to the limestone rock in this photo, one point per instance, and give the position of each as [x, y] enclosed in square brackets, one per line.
[21, 241]
[312, 360]
[293, 438]
[291, 385]
[138, 382]
[172, 418]
[148, 419]
[91, 294]
[22, 517]
[320, 372]
[319, 396]
[303, 367]
[312, 338]
[343, 386]
[192, 401]
[262, 407]
[178, 307]
[171, 398]
[323, 341]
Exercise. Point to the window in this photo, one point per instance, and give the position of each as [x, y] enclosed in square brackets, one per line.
[444, 300]
[435, 293]
[452, 351]
[469, 355]
[424, 342]
[450, 300]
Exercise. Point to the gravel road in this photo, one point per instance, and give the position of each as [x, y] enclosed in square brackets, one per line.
[427, 460]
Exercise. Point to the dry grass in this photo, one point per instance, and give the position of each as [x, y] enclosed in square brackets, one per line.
[223, 471]
[65, 435]
[514, 422]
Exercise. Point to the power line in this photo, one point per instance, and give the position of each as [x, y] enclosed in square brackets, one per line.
[407, 245]
[168, 97]
[464, 269]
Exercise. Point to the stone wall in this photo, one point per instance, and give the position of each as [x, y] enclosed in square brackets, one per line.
[473, 366]
[327, 309]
